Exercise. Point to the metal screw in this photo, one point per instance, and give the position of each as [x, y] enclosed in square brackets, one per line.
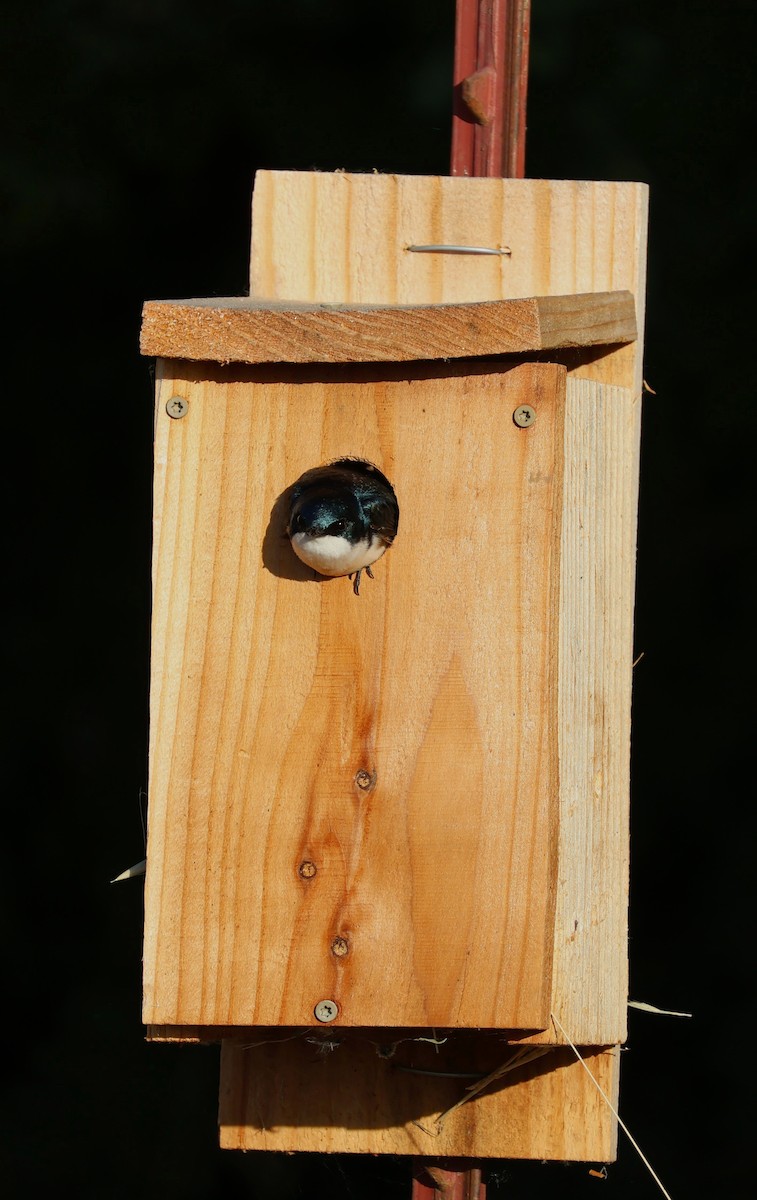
[340, 946]
[177, 407]
[524, 415]
[307, 869]
[365, 780]
[326, 1010]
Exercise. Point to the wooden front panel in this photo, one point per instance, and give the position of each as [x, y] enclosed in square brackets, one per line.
[271, 690]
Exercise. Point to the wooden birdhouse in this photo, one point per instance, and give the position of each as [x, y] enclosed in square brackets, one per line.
[388, 832]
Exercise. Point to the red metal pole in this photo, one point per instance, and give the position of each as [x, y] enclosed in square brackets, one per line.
[490, 86]
[447, 1179]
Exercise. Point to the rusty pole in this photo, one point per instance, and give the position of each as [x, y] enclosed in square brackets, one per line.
[490, 85]
[488, 138]
[447, 1179]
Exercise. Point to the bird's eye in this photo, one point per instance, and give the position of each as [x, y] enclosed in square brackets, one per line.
[337, 527]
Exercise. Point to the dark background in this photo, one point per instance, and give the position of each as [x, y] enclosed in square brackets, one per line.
[133, 133]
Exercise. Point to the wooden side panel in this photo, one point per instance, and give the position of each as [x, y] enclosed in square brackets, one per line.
[598, 560]
[350, 1097]
[272, 690]
[344, 238]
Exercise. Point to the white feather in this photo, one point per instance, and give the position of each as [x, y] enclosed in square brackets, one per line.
[131, 872]
[331, 555]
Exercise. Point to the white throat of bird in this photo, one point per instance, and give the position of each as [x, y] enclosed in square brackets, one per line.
[330, 555]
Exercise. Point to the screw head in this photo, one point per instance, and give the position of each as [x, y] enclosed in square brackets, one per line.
[326, 1011]
[177, 407]
[524, 416]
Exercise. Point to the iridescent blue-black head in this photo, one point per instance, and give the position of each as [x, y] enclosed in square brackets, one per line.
[322, 512]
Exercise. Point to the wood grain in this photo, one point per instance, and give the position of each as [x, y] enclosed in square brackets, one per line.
[342, 238]
[598, 559]
[244, 329]
[319, 238]
[271, 690]
[354, 1094]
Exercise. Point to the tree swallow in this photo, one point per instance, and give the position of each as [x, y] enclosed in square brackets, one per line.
[343, 516]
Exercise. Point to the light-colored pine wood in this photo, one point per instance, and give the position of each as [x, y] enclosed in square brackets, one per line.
[590, 982]
[271, 690]
[300, 1095]
[598, 559]
[241, 329]
[343, 238]
[319, 238]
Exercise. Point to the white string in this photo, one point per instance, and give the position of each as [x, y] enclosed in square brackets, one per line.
[615, 1113]
[662, 1012]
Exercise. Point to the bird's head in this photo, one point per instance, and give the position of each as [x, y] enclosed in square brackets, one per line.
[328, 515]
